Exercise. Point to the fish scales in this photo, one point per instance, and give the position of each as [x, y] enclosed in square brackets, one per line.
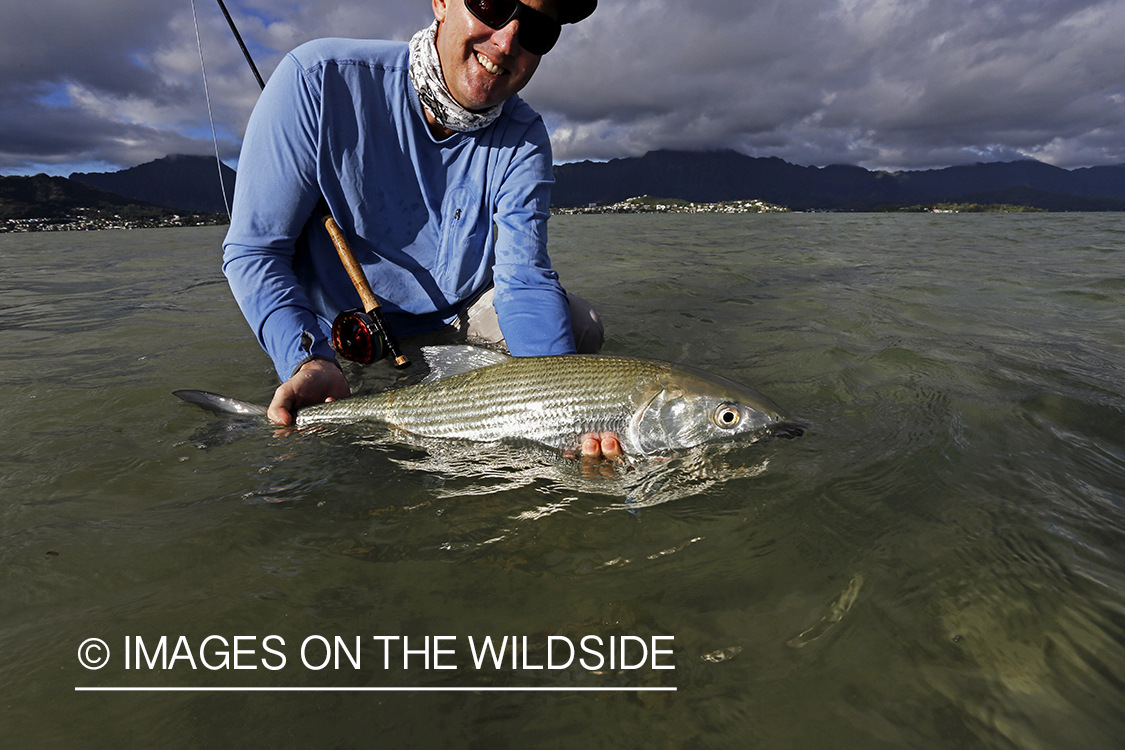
[551, 400]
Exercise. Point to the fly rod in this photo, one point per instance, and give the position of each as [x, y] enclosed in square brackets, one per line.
[359, 336]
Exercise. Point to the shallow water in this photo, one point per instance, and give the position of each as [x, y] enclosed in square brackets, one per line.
[938, 563]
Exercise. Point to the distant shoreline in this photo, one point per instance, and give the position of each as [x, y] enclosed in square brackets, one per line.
[647, 204]
[639, 205]
[90, 224]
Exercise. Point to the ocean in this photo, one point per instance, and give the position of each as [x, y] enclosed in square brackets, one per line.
[939, 562]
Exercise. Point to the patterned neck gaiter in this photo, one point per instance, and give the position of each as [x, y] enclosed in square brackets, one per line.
[425, 74]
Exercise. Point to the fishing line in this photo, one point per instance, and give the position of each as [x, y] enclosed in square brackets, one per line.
[210, 115]
[360, 335]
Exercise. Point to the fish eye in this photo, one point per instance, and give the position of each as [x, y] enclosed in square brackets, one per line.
[727, 415]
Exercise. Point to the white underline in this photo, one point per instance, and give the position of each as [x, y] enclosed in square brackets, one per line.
[368, 689]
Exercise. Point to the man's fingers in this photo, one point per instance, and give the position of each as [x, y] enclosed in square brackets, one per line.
[278, 410]
[316, 382]
[601, 445]
[610, 446]
[591, 446]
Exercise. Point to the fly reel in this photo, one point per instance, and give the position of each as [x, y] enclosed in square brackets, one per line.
[356, 336]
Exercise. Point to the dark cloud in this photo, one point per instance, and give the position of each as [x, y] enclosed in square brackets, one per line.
[880, 83]
[876, 82]
[118, 82]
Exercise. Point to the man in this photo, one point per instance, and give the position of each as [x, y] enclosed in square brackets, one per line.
[441, 176]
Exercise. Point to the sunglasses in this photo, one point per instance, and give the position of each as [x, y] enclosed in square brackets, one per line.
[538, 32]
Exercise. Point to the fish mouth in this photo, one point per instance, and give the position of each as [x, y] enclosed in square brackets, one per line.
[787, 430]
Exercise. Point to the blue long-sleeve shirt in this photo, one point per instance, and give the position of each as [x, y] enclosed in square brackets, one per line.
[431, 222]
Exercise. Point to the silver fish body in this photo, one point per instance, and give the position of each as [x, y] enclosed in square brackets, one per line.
[653, 406]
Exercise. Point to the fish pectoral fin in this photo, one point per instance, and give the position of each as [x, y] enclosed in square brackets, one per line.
[454, 359]
[221, 404]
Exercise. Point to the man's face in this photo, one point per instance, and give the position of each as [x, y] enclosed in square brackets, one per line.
[483, 66]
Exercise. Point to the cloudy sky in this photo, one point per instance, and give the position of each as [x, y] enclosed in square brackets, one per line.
[896, 84]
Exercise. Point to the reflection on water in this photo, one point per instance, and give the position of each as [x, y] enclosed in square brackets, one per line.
[836, 611]
[937, 564]
[457, 469]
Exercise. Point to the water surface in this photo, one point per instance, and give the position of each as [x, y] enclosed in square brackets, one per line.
[937, 563]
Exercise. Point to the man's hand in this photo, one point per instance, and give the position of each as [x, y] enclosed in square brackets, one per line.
[316, 382]
[601, 445]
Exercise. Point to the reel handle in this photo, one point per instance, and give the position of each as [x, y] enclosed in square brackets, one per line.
[355, 272]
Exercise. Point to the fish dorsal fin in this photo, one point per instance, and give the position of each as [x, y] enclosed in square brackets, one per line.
[455, 359]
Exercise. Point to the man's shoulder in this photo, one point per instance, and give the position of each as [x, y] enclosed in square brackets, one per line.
[519, 111]
[371, 52]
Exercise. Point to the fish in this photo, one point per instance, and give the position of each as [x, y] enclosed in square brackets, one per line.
[480, 395]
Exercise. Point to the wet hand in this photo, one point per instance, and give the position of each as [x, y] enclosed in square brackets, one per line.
[601, 454]
[316, 382]
[601, 445]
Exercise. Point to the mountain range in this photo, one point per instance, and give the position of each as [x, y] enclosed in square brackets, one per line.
[712, 176]
[45, 197]
[191, 183]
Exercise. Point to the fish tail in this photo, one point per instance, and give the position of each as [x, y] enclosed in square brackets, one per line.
[221, 404]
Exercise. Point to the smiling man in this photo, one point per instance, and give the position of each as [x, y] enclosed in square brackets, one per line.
[482, 65]
[439, 173]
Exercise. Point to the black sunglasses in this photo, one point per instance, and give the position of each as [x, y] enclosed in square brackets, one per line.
[538, 31]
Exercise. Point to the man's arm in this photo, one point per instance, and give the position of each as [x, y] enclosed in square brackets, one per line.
[274, 198]
[530, 302]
